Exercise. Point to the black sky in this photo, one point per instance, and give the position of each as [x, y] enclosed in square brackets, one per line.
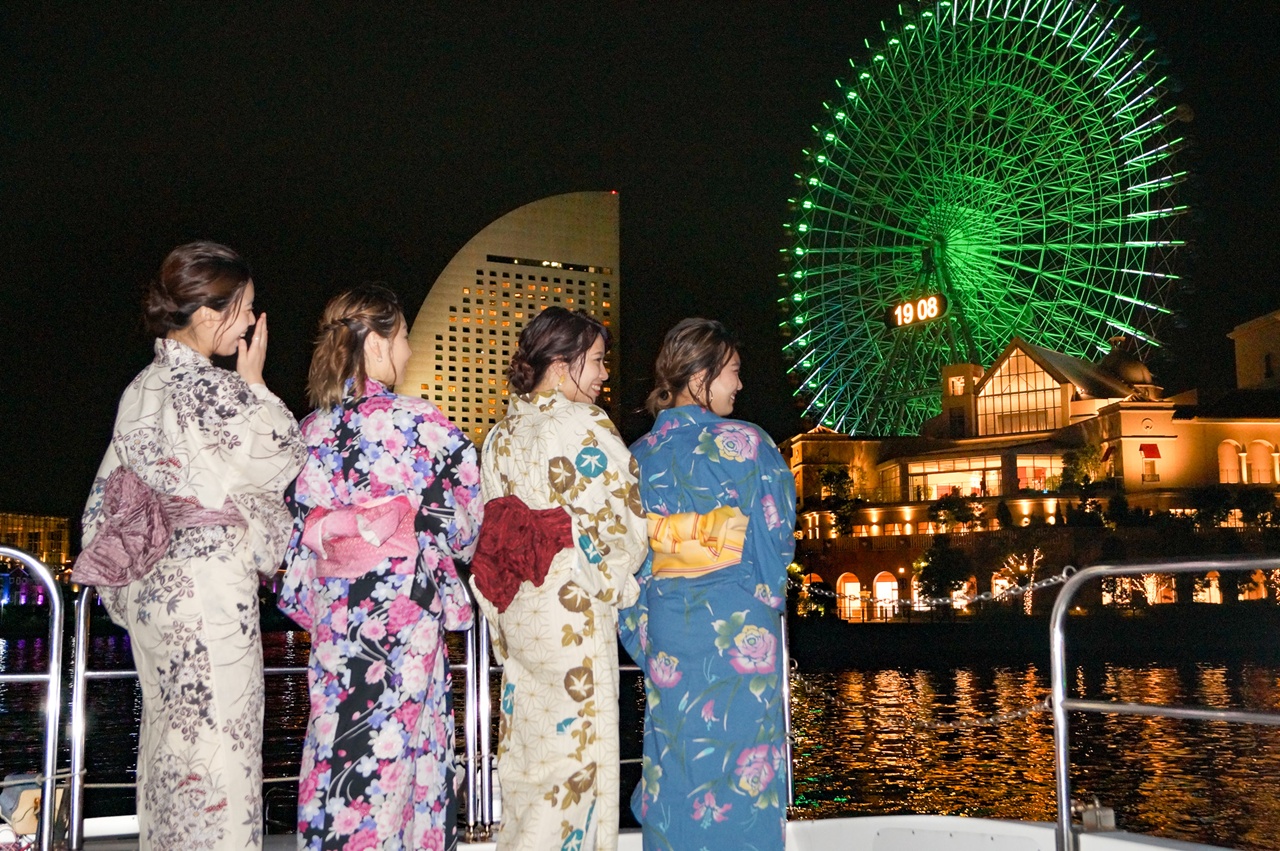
[336, 144]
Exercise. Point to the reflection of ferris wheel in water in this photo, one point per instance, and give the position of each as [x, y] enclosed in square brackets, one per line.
[994, 169]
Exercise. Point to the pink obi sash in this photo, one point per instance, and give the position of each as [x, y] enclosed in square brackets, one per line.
[352, 540]
[691, 544]
[138, 523]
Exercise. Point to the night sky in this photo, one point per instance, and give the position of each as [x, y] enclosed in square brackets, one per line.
[336, 145]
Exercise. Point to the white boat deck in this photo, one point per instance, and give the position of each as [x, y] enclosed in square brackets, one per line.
[864, 833]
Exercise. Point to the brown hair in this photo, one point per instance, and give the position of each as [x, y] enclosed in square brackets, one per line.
[692, 347]
[347, 321]
[555, 334]
[195, 275]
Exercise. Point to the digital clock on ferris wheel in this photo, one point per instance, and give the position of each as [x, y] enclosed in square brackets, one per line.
[917, 311]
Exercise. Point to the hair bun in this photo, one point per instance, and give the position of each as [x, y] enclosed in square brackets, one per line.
[520, 373]
[192, 276]
[159, 310]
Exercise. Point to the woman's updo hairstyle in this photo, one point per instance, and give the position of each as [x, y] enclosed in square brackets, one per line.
[195, 275]
[348, 319]
[555, 334]
[692, 347]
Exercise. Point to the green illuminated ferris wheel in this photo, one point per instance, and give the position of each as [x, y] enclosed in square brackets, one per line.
[989, 170]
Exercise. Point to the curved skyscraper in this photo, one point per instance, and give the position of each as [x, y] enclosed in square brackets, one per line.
[561, 250]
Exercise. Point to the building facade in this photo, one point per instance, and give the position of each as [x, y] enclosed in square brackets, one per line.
[561, 250]
[47, 538]
[1007, 437]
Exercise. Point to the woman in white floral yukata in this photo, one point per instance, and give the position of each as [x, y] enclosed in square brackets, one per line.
[721, 507]
[388, 501]
[185, 514]
[563, 537]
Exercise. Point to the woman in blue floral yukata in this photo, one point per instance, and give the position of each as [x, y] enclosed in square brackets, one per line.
[388, 501]
[707, 628]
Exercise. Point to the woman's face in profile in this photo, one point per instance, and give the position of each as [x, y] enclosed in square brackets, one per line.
[234, 323]
[586, 379]
[725, 386]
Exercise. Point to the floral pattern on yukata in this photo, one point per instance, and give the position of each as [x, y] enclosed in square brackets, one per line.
[712, 773]
[192, 430]
[558, 729]
[377, 763]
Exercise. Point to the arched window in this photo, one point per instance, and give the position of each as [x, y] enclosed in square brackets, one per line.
[1229, 462]
[850, 591]
[1207, 590]
[810, 600]
[885, 591]
[1254, 586]
[1260, 462]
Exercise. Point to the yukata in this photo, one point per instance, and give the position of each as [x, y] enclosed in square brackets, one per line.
[558, 760]
[377, 763]
[197, 433]
[706, 630]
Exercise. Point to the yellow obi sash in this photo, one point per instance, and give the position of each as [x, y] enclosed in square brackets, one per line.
[691, 544]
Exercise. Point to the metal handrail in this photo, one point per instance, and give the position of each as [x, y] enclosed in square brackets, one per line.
[53, 693]
[478, 668]
[1065, 837]
[480, 716]
[483, 719]
[81, 674]
[785, 685]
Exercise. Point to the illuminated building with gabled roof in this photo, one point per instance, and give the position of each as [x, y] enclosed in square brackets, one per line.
[1000, 444]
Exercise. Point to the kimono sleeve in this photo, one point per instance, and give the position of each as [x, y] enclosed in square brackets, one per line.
[92, 518]
[771, 532]
[253, 450]
[295, 598]
[597, 480]
[261, 444]
[448, 520]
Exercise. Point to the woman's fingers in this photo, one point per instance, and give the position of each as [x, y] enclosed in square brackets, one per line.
[253, 355]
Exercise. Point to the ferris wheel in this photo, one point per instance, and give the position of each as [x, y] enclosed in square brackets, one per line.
[989, 170]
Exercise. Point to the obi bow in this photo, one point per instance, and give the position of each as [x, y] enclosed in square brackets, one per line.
[517, 544]
[136, 527]
[691, 544]
[352, 540]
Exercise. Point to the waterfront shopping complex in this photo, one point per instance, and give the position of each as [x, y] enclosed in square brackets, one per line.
[1040, 456]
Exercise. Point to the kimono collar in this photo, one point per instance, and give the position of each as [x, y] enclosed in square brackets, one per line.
[683, 416]
[173, 353]
[545, 400]
[371, 388]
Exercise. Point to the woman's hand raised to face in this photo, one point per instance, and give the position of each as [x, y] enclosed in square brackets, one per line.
[251, 356]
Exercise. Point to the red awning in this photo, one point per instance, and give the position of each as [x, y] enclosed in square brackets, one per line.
[1149, 450]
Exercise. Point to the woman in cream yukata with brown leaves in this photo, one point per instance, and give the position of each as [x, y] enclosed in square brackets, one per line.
[556, 634]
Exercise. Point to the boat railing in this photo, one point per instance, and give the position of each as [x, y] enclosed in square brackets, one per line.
[479, 721]
[52, 679]
[477, 751]
[1062, 704]
[82, 674]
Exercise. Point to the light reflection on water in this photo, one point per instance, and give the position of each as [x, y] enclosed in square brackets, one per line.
[857, 748]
